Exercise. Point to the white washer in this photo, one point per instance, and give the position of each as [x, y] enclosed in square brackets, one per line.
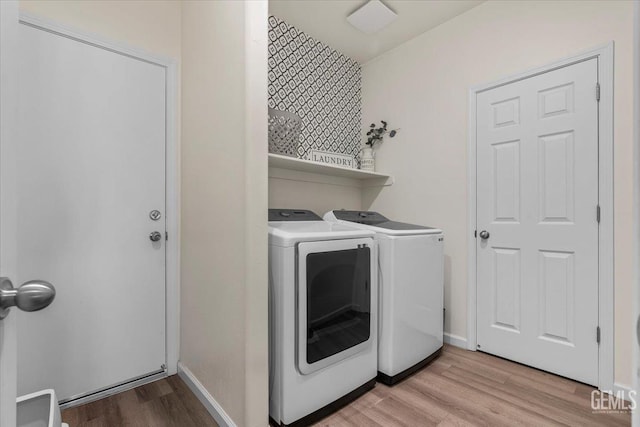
[411, 284]
[323, 303]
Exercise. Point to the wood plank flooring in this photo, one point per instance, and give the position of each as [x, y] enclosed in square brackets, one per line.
[465, 388]
[164, 403]
[461, 388]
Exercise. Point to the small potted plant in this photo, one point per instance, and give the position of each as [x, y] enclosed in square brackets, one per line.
[375, 134]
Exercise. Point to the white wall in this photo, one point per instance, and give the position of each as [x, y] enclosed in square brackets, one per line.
[316, 196]
[422, 87]
[224, 204]
[152, 25]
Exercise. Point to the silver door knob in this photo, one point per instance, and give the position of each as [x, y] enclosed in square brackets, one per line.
[484, 234]
[33, 295]
[155, 236]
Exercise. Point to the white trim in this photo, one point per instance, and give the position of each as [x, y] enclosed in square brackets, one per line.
[172, 170]
[172, 224]
[455, 340]
[94, 39]
[214, 408]
[622, 389]
[635, 354]
[606, 243]
[606, 277]
[472, 341]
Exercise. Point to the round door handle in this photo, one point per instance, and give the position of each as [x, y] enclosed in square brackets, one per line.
[484, 234]
[155, 236]
[33, 295]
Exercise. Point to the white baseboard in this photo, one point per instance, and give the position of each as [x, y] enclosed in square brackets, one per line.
[622, 389]
[455, 340]
[214, 408]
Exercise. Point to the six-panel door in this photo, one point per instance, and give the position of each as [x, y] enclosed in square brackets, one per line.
[537, 194]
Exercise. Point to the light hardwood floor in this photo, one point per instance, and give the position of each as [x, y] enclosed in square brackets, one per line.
[461, 388]
[465, 388]
[163, 403]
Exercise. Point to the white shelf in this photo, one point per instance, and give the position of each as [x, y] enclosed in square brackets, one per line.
[307, 166]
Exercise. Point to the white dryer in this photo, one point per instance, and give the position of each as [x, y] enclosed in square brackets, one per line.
[323, 303]
[411, 284]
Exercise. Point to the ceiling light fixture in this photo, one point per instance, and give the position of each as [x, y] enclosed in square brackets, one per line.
[372, 17]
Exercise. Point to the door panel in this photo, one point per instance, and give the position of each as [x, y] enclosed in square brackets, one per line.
[507, 284]
[506, 161]
[91, 168]
[557, 296]
[555, 169]
[537, 192]
[8, 143]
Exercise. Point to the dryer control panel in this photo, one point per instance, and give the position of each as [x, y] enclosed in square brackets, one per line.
[292, 215]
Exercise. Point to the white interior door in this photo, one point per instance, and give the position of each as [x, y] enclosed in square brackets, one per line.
[91, 168]
[537, 197]
[8, 109]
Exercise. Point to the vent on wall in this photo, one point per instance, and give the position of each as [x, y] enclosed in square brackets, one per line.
[372, 17]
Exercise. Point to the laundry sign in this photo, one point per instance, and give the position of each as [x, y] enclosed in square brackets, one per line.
[334, 159]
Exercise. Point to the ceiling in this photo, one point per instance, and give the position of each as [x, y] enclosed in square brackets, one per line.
[326, 21]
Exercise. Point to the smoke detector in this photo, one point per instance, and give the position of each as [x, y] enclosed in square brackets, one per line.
[372, 17]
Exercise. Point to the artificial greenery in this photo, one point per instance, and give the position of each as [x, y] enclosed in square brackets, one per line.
[375, 134]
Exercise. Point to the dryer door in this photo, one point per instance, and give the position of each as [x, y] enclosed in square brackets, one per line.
[337, 301]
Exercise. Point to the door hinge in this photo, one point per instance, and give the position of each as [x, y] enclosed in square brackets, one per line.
[598, 92]
[598, 334]
[475, 233]
[166, 235]
[598, 213]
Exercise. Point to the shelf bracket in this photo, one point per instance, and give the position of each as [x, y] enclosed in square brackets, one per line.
[378, 182]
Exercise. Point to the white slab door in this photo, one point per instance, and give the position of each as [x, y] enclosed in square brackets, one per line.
[90, 170]
[8, 142]
[537, 244]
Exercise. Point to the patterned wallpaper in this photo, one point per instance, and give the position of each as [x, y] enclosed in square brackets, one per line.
[317, 83]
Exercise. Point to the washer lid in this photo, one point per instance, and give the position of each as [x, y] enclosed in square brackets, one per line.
[379, 223]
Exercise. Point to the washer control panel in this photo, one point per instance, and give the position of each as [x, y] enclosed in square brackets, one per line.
[361, 217]
[375, 219]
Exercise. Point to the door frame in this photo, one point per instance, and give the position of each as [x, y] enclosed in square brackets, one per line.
[606, 351]
[172, 177]
[635, 420]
